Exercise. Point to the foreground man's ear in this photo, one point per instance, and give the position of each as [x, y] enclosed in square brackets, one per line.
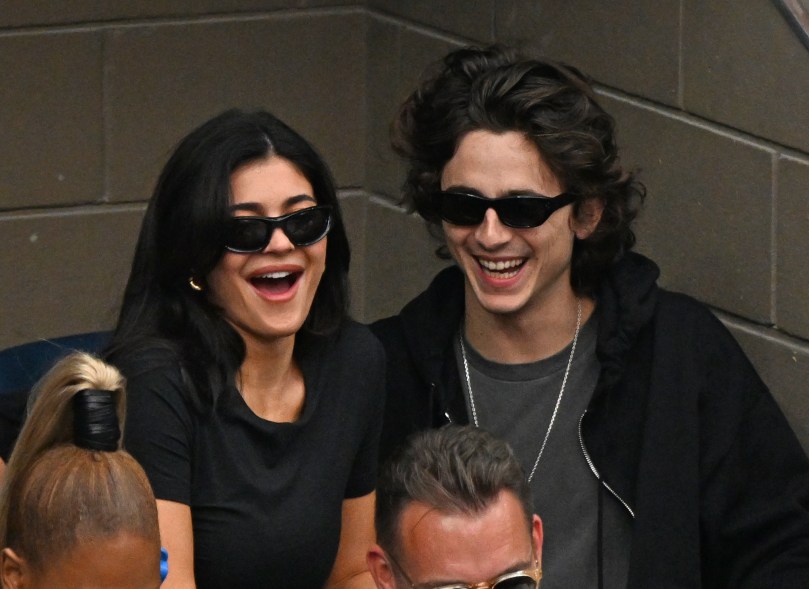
[13, 570]
[536, 534]
[381, 570]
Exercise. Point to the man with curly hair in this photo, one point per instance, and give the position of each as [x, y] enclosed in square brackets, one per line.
[655, 454]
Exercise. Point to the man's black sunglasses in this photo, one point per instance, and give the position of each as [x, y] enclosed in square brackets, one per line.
[519, 212]
[245, 235]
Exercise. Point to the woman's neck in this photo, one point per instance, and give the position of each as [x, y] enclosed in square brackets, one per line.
[270, 380]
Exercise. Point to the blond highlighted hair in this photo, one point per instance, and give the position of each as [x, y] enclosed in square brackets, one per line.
[55, 493]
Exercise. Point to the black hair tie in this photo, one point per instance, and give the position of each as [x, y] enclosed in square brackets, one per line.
[95, 421]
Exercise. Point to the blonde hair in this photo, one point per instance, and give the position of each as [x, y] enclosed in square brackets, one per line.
[56, 493]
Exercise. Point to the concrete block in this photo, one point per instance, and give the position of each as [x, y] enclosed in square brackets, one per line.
[631, 45]
[51, 119]
[47, 12]
[65, 270]
[472, 20]
[792, 242]
[745, 67]
[420, 52]
[354, 205]
[167, 79]
[400, 260]
[383, 173]
[708, 215]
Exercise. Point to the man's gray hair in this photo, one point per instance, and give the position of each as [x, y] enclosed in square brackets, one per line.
[454, 469]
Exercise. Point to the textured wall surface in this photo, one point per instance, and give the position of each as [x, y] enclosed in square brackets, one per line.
[712, 104]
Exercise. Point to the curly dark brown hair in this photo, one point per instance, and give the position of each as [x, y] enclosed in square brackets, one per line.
[554, 106]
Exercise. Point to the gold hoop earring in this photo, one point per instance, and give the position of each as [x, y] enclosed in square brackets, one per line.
[193, 284]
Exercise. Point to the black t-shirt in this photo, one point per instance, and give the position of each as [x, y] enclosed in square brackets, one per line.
[265, 497]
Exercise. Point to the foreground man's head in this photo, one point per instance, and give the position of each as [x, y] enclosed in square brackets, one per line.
[454, 510]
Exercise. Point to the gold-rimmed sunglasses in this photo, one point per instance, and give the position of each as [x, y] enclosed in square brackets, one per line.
[522, 579]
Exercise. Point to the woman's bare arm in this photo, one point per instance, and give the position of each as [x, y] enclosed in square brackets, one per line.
[177, 538]
[356, 536]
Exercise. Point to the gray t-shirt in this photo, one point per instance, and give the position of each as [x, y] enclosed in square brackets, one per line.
[515, 402]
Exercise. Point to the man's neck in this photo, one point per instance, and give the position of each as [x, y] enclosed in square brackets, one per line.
[532, 334]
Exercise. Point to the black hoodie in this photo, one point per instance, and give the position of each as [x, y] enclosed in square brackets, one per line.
[680, 429]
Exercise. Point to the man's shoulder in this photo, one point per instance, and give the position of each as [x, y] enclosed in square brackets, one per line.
[683, 315]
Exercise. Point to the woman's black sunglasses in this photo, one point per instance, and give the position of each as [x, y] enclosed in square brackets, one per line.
[245, 235]
[519, 212]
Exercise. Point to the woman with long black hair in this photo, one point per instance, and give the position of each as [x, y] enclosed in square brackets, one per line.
[254, 402]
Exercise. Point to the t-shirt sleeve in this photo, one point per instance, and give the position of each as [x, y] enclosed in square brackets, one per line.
[159, 431]
[371, 387]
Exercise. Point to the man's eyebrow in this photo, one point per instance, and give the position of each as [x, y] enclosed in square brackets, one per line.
[527, 192]
[510, 192]
[255, 207]
[464, 189]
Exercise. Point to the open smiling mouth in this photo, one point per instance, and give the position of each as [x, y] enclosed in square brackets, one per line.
[275, 283]
[502, 269]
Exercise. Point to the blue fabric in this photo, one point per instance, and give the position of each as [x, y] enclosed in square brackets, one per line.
[22, 366]
[164, 564]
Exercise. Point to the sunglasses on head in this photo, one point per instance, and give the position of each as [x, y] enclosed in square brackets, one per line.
[245, 235]
[519, 211]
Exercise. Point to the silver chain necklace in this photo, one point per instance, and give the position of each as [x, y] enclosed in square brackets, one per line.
[558, 399]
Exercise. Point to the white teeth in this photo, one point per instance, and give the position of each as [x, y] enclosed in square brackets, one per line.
[275, 275]
[500, 265]
[502, 269]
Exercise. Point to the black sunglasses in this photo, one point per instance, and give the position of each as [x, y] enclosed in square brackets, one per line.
[245, 235]
[519, 212]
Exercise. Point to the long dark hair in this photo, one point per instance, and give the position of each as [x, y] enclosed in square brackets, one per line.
[182, 237]
[553, 105]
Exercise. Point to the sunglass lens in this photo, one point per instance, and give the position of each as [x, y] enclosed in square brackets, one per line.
[247, 235]
[522, 212]
[461, 209]
[308, 226]
[520, 582]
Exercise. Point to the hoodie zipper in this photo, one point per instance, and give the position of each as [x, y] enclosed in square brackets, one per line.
[432, 401]
[595, 470]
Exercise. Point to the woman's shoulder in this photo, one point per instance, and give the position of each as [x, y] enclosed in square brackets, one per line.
[351, 340]
[153, 369]
[353, 354]
[148, 358]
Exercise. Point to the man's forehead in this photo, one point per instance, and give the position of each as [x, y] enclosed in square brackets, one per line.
[456, 545]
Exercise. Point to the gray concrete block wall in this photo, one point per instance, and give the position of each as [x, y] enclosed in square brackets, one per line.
[792, 264]
[51, 119]
[294, 64]
[63, 269]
